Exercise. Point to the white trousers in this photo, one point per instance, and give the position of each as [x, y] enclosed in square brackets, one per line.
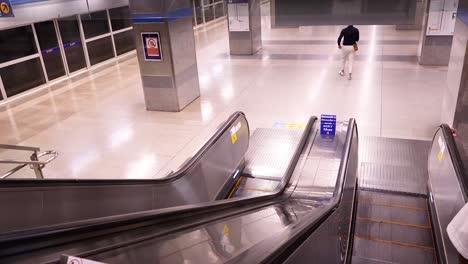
[347, 54]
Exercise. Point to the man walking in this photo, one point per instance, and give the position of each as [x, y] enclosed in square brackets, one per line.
[349, 48]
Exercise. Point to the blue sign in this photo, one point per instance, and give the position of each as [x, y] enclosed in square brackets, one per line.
[48, 51]
[151, 46]
[71, 44]
[328, 125]
[6, 10]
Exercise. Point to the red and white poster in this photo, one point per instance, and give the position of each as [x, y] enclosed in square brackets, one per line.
[152, 46]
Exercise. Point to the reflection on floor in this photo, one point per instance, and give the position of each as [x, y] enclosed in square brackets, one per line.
[99, 125]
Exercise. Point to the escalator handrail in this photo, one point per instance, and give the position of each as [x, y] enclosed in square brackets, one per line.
[183, 170]
[276, 248]
[457, 162]
[173, 212]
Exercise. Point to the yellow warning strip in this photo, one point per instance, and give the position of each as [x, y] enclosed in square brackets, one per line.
[235, 187]
[395, 242]
[393, 222]
[253, 189]
[432, 230]
[394, 205]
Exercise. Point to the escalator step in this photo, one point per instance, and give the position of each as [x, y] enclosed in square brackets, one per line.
[385, 251]
[412, 236]
[396, 165]
[394, 215]
[392, 228]
[362, 260]
[392, 208]
[392, 199]
[393, 178]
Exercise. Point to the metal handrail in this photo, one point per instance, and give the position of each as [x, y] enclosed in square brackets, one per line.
[4, 146]
[34, 162]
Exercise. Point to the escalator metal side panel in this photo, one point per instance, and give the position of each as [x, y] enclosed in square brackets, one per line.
[39, 206]
[300, 242]
[247, 209]
[331, 242]
[446, 195]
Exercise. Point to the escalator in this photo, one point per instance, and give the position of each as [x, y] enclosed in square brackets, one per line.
[338, 199]
[35, 204]
[311, 187]
[408, 192]
[392, 221]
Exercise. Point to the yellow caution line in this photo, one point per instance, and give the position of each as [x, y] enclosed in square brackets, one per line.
[235, 187]
[253, 189]
[393, 222]
[394, 205]
[395, 242]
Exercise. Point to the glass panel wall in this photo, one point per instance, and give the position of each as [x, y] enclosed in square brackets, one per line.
[22, 76]
[50, 49]
[71, 40]
[219, 9]
[122, 29]
[20, 65]
[98, 38]
[64, 45]
[16, 43]
[100, 50]
[207, 10]
[124, 42]
[120, 18]
[95, 24]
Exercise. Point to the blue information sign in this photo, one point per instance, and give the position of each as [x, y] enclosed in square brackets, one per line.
[51, 50]
[72, 44]
[6, 10]
[328, 125]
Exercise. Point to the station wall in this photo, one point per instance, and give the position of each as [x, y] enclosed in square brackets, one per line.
[30, 11]
[51, 40]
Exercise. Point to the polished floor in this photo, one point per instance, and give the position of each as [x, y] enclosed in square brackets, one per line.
[98, 123]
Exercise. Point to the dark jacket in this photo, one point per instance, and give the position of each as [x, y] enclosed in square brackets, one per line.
[350, 34]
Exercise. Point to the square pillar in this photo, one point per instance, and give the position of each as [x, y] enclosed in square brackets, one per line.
[437, 34]
[166, 53]
[245, 27]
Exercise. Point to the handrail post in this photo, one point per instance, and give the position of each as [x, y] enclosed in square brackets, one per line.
[36, 167]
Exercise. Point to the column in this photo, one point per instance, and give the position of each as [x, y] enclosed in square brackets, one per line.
[166, 53]
[437, 34]
[245, 28]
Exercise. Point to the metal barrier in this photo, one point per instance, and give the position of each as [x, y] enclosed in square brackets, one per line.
[34, 162]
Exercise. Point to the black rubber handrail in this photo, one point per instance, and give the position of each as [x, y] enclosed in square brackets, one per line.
[456, 159]
[183, 170]
[79, 227]
[278, 247]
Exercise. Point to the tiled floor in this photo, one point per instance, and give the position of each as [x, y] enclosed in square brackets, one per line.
[99, 125]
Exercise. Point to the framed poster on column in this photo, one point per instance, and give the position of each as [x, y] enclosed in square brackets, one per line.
[152, 46]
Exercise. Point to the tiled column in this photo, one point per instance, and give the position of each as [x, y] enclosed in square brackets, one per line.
[166, 53]
[245, 28]
[437, 34]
